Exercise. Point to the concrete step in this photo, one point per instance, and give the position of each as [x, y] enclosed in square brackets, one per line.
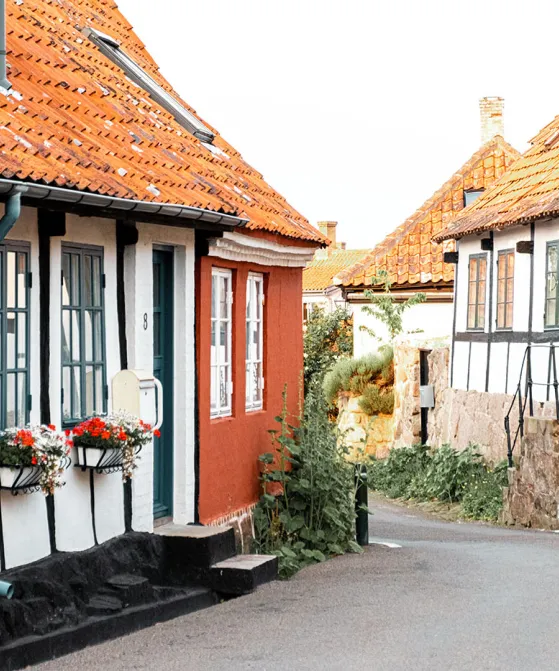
[196, 546]
[103, 604]
[242, 574]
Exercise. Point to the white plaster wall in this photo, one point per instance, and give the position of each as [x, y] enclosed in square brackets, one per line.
[460, 376]
[478, 366]
[433, 319]
[29, 511]
[72, 502]
[498, 367]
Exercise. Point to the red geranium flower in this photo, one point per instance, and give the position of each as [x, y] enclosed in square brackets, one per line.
[157, 433]
[52, 427]
[34, 460]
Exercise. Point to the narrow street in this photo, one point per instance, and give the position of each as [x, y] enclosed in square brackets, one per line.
[454, 596]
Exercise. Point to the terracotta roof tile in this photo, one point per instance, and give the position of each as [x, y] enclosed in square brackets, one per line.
[318, 275]
[80, 123]
[407, 254]
[529, 190]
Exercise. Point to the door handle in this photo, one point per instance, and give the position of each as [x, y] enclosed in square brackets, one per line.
[159, 404]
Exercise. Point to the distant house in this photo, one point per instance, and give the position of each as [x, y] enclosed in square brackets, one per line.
[413, 261]
[319, 289]
[135, 237]
[506, 277]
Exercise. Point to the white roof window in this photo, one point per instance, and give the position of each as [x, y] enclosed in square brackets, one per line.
[111, 49]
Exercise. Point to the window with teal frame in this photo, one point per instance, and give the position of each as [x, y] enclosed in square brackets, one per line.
[84, 390]
[15, 402]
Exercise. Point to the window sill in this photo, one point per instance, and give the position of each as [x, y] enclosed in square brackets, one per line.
[254, 411]
[220, 418]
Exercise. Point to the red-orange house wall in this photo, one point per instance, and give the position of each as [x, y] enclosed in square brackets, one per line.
[230, 446]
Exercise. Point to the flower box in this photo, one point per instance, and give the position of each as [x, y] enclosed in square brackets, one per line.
[97, 457]
[18, 476]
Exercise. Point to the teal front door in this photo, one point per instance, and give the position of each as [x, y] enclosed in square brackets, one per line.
[163, 371]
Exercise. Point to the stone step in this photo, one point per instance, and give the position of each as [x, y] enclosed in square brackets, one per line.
[104, 604]
[130, 589]
[243, 573]
[195, 545]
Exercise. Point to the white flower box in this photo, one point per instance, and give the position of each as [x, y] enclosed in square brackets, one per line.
[89, 457]
[24, 476]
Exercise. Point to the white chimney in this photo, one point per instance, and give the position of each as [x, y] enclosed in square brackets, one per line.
[492, 122]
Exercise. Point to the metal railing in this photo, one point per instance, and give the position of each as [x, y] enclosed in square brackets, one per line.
[527, 383]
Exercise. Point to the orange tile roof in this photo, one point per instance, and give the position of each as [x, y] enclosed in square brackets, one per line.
[76, 121]
[319, 274]
[409, 254]
[526, 192]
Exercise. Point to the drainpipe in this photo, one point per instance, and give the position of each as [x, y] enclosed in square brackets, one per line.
[11, 213]
[4, 83]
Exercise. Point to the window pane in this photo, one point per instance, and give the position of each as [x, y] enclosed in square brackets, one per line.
[67, 387]
[223, 387]
[98, 336]
[502, 266]
[21, 340]
[510, 290]
[552, 259]
[471, 316]
[480, 316]
[215, 293]
[11, 280]
[87, 279]
[76, 348]
[501, 291]
[75, 260]
[89, 390]
[88, 335]
[21, 400]
[11, 340]
[97, 281]
[481, 292]
[501, 315]
[510, 264]
[65, 336]
[99, 390]
[76, 392]
[66, 279]
[223, 310]
[21, 274]
[550, 312]
[473, 270]
[551, 285]
[11, 417]
[248, 380]
[482, 269]
[257, 376]
[213, 389]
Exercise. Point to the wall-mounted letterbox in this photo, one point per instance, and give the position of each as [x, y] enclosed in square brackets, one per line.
[139, 393]
[426, 396]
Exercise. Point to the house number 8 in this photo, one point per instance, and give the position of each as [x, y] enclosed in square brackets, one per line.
[145, 321]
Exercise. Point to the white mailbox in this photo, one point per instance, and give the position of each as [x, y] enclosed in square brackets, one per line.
[139, 393]
[426, 396]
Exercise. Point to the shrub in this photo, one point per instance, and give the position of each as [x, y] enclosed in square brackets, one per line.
[374, 401]
[314, 516]
[328, 337]
[356, 375]
[445, 475]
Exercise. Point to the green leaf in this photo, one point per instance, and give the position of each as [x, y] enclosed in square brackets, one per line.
[354, 547]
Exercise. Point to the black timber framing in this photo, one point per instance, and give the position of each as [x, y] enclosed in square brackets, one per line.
[489, 246]
[49, 224]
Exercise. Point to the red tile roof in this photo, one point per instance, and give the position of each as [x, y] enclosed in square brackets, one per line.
[526, 192]
[319, 274]
[409, 254]
[76, 121]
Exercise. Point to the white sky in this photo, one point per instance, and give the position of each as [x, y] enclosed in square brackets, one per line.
[356, 111]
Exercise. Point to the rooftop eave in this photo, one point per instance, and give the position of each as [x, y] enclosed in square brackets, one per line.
[118, 207]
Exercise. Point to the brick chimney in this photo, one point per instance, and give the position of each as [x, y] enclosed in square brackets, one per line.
[328, 228]
[492, 123]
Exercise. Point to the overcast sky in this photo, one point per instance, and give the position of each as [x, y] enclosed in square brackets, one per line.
[356, 110]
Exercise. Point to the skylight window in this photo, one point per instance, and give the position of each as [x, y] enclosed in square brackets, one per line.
[111, 49]
[470, 196]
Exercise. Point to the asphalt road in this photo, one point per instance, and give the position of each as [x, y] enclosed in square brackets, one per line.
[454, 596]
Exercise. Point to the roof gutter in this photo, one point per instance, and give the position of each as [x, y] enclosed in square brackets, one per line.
[120, 206]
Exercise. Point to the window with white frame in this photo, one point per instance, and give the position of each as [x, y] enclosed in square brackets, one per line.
[221, 383]
[254, 341]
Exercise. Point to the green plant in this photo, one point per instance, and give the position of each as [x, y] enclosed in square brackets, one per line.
[444, 474]
[355, 375]
[328, 337]
[385, 308]
[374, 401]
[314, 515]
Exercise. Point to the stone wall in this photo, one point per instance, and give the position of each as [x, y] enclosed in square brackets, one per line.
[361, 432]
[407, 412]
[532, 497]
